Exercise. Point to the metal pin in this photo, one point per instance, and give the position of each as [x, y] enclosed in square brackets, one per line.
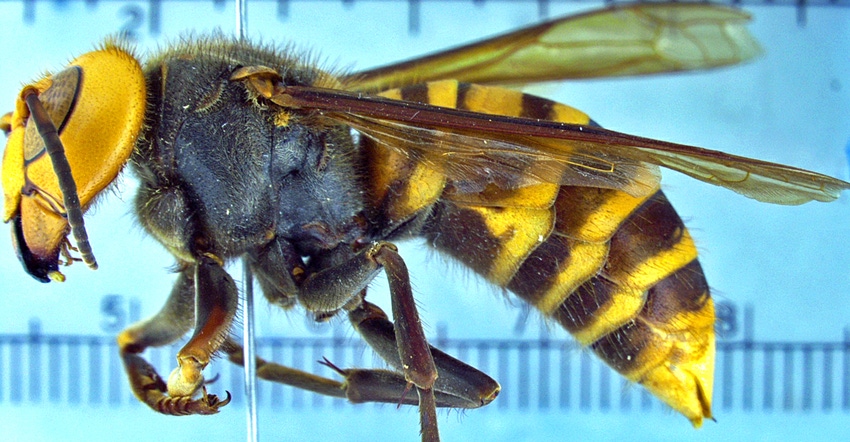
[249, 350]
[248, 293]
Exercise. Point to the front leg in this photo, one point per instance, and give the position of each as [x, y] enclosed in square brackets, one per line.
[209, 297]
[216, 301]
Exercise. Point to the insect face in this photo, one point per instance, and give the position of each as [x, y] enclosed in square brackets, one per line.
[99, 120]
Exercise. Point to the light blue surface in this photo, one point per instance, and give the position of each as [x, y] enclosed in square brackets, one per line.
[790, 263]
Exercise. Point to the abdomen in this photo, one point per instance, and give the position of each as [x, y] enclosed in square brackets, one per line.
[619, 272]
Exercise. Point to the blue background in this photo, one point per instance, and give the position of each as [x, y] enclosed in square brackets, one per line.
[789, 263]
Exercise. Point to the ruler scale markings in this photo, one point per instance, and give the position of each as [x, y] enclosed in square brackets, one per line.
[807, 394]
[277, 390]
[543, 375]
[768, 393]
[503, 372]
[117, 382]
[298, 363]
[728, 379]
[788, 376]
[94, 371]
[316, 356]
[585, 382]
[646, 400]
[604, 389]
[523, 367]
[414, 14]
[34, 360]
[747, 381]
[524, 375]
[845, 399]
[16, 372]
[827, 379]
[74, 373]
[3, 371]
[54, 362]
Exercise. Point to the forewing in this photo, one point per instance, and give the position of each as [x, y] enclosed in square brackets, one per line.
[619, 40]
[473, 160]
[481, 147]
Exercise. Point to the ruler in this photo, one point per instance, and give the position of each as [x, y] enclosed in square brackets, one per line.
[148, 14]
[536, 374]
[780, 372]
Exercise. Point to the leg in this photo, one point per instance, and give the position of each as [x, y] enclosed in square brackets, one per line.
[273, 372]
[327, 285]
[215, 301]
[331, 287]
[458, 385]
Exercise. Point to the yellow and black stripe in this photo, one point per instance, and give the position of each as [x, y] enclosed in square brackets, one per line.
[619, 272]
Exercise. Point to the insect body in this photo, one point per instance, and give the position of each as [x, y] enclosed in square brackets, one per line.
[245, 151]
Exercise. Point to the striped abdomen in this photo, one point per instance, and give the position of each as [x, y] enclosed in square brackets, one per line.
[619, 272]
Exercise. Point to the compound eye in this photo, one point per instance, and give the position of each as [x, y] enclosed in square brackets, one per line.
[97, 106]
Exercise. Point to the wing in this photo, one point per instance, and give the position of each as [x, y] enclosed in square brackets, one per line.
[486, 148]
[619, 40]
